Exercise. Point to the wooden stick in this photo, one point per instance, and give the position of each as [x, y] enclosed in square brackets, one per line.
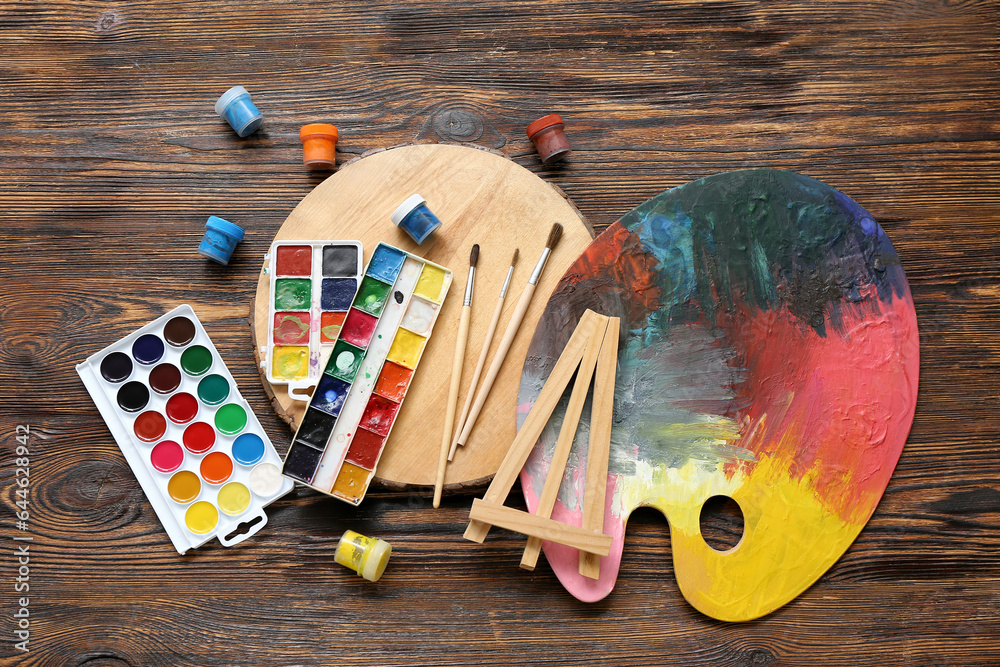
[456, 375]
[560, 455]
[508, 335]
[540, 528]
[535, 422]
[601, 417]
[490, 331]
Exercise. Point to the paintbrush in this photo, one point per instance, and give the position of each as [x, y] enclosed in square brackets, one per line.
[456, 373]
[509, 334]
[492, 329]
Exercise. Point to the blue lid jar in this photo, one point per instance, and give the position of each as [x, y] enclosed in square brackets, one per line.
[220, 239]
[414, 218]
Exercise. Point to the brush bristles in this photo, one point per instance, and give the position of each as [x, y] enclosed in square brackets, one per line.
[554, 236]
[513, 260]
[474, 256]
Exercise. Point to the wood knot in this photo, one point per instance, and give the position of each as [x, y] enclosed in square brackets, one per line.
[108, 22]
[461, 124]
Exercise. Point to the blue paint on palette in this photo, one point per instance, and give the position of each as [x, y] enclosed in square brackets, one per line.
[330, 395]
[248, 449]
[337, 293]
[147, 349]
[386, 263]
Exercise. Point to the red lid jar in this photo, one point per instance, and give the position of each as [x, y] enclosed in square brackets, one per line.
[547, 135]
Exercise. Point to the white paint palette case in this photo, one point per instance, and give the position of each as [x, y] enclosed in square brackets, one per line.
[199, 452]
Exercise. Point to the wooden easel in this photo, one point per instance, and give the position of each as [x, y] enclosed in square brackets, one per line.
[593, 347]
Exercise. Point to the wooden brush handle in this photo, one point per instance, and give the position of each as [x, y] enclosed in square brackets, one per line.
[471, 394]
[498, 358]
[449, 415]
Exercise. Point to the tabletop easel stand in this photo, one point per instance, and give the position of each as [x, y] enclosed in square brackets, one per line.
[592, 348]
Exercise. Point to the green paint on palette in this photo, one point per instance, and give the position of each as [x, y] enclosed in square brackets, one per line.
[372, 295]
[345, 361]
[292, 293]
[196, 360]
[213, 389]
[231, 419]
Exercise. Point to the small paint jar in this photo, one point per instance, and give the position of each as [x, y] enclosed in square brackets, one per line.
[239, 111]
[221, 237]
[367, 556]
[547, 135]
[319, 145]
[414, 218]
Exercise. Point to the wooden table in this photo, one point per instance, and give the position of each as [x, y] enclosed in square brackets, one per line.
[111, 159]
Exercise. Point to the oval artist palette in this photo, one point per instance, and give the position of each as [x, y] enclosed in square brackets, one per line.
[480, 197]
[768, 353]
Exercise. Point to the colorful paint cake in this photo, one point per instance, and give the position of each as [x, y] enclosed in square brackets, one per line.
[769, 354]
[347, 423]
[199, 453]
[313, 284]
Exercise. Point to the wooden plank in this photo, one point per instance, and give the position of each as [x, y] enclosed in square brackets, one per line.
[564, 443]
[532, 427]
[101, 216]
[540, 528]
[601, 418]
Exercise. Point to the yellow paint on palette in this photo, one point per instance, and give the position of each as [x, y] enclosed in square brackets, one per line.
[430, 283]
[351, 482]
[290, 362]
[184, 486]
[234, 498]
[406, 348]
[201, 518]
[789, 537]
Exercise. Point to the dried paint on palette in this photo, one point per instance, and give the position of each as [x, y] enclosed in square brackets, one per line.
[381, 338]
[312, 286]
[769, 353]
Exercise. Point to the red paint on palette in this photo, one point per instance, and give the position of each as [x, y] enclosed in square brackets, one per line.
[167, 456]
[379, 414]
[291, 328]
[199, 437]
[392, 381]
[149, 426]
[365, 449]
[293, 260]
[358, 328]
[182, 408]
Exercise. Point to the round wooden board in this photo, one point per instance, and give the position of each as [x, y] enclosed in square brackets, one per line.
[481, 197]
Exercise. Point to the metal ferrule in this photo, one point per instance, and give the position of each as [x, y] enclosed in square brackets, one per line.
[538, 267]
[506, 282]
[468, 286]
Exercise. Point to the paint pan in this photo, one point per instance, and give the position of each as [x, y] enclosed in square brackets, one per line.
[313, 284]
[349, 419]
[199, 453]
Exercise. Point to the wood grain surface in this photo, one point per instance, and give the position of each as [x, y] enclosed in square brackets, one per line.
[481, 198]
[111, 159]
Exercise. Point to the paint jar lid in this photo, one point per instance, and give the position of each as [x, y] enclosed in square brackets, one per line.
[322, 129]
[227, 98]
[542, 123]
[224, 226]
[405, 208]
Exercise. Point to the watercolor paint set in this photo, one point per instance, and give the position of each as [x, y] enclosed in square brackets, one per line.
[313, 284]
[346, 424]
[190, 437]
